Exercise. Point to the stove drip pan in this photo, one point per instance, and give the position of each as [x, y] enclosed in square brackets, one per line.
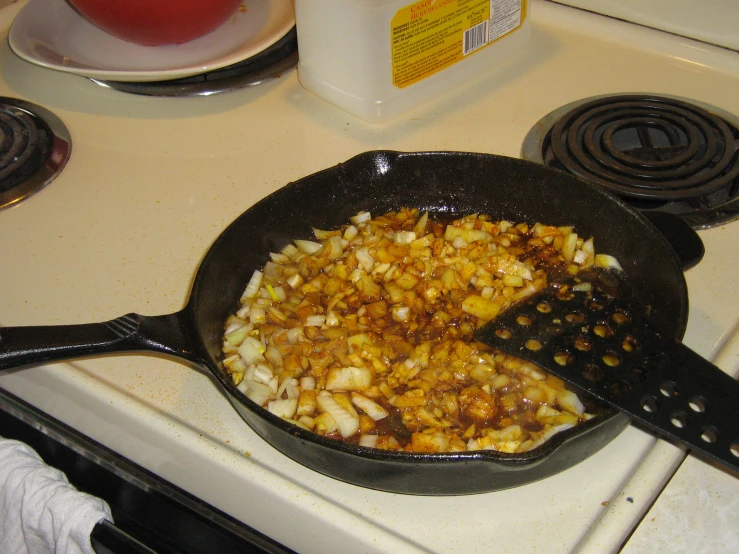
[34, 147]
[654, 152]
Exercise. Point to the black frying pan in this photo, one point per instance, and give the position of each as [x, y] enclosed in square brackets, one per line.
[443, 183]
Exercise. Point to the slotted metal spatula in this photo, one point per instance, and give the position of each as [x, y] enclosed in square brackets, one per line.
[590, 333]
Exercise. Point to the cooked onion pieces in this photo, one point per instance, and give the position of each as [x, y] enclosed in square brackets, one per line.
[365, 333]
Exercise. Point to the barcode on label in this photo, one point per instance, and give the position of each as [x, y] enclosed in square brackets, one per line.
[475, 37]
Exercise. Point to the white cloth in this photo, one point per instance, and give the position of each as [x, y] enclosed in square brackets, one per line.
[40, 511]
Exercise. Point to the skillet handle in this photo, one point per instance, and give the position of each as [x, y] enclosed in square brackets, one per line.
[682, 237]
[26, 346]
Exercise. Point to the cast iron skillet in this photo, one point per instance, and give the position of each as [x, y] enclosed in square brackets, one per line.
[444, 183]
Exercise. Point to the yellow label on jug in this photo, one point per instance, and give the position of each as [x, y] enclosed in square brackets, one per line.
[430, 35]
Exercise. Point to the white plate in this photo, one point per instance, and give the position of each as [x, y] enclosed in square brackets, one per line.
[51, 34]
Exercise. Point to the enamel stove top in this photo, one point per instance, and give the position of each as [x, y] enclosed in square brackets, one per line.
[152, 182]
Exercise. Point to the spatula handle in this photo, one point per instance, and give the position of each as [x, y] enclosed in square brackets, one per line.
[690, 400]
[657, 381]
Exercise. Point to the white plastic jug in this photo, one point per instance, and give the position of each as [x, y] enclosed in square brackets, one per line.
[380, 58]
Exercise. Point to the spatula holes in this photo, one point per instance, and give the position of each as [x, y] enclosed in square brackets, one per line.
[734, 449]
[504, 334]
[638, 374]
[582, 344]
[629, 344]
[603, 331]
[668, 389]
[524, 320]
[533, 345]
[543, 308]
[563, 358]
[575, 317]
[649, 403]
[611, 359]
[697, 404]
[565, 294]
[594, 305]
[620, 318]
[592, 373]
[679, 419]
[709, 434]
[620, 388]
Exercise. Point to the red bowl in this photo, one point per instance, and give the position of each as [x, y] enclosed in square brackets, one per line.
[157, 22]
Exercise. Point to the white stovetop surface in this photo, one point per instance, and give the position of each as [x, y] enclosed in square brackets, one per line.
[152, 182]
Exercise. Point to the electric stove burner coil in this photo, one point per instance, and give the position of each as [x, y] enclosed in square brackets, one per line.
[34, 147]
[654, 152]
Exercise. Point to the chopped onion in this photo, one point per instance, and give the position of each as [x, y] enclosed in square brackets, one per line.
[263, 374]
[279, 258]
[459, 242]
[569, 246]
[348, 425]
[420, 226]
[549, 433]
[350, 232]
[307, 402]
[348, 378]
[307, 246]
[256, 392]
[607, 262]
[365, 259]
[336, 247]
[292, 390]
[360, 218]
[290, 251]
[295, 335]
[580, 257]
[295, 281]
[272, 271]
[287, 383]
[237, 336]
[321, 234]
[569, 401]
[251, 350]
[274, 356]
[315, 320]
[332, 319]
[283, 407]
[254, 283]
[369, 407]
[356, 275]
[368, 441]
[307, 422]
[401, 314]
[258, 315]
[404, 237]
